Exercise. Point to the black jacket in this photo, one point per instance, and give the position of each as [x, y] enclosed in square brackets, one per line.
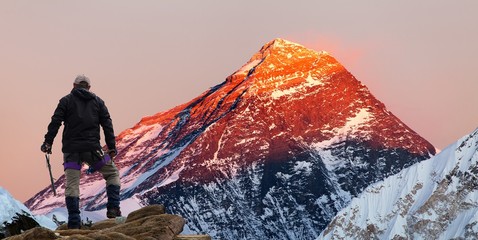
[82, 113]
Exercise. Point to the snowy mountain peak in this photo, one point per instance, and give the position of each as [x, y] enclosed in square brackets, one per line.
[282, 57]
[281, 145]
[281, 48]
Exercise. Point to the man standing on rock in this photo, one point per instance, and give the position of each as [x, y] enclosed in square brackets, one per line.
[82, 113]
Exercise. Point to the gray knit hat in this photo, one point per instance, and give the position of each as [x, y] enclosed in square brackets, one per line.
[82, 78]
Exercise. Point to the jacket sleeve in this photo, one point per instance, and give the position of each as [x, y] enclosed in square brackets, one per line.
[107, 125]
[56, 120]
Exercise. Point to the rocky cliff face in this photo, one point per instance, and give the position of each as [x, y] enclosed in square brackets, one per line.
[434, 199]
[275, 151]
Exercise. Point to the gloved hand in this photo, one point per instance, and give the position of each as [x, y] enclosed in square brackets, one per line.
[45, 147]
[112, 153]
[90, 170]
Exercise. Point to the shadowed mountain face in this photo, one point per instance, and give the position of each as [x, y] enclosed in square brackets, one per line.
[274, 151]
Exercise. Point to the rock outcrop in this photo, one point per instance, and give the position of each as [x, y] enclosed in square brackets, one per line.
[150, 222]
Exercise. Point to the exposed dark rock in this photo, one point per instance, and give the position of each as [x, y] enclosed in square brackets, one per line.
[20, 223]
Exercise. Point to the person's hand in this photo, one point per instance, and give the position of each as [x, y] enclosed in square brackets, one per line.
[46, 147]
[90, 170]
[112, 153]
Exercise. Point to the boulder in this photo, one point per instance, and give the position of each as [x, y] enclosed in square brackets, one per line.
[150, 210]
[164, 226]
[37, 233]
[108, 223]
[71, 232]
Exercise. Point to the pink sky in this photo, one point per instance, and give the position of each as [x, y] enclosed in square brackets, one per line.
[143, 57]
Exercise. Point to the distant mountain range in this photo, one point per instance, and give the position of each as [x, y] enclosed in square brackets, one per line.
[273, 152]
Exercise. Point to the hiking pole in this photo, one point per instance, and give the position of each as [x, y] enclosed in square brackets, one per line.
[47, 156]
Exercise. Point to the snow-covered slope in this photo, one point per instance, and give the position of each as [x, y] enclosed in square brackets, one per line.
[274, 151]
[433, 199]
[10, 208]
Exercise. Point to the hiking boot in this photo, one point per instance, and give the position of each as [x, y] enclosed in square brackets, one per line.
[113, 204]
[113, 212]
[73, 206]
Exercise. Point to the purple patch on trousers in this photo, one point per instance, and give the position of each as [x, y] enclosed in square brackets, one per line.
[72, 165]
[104, 161]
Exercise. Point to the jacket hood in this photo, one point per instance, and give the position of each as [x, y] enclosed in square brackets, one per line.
[83, 94]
